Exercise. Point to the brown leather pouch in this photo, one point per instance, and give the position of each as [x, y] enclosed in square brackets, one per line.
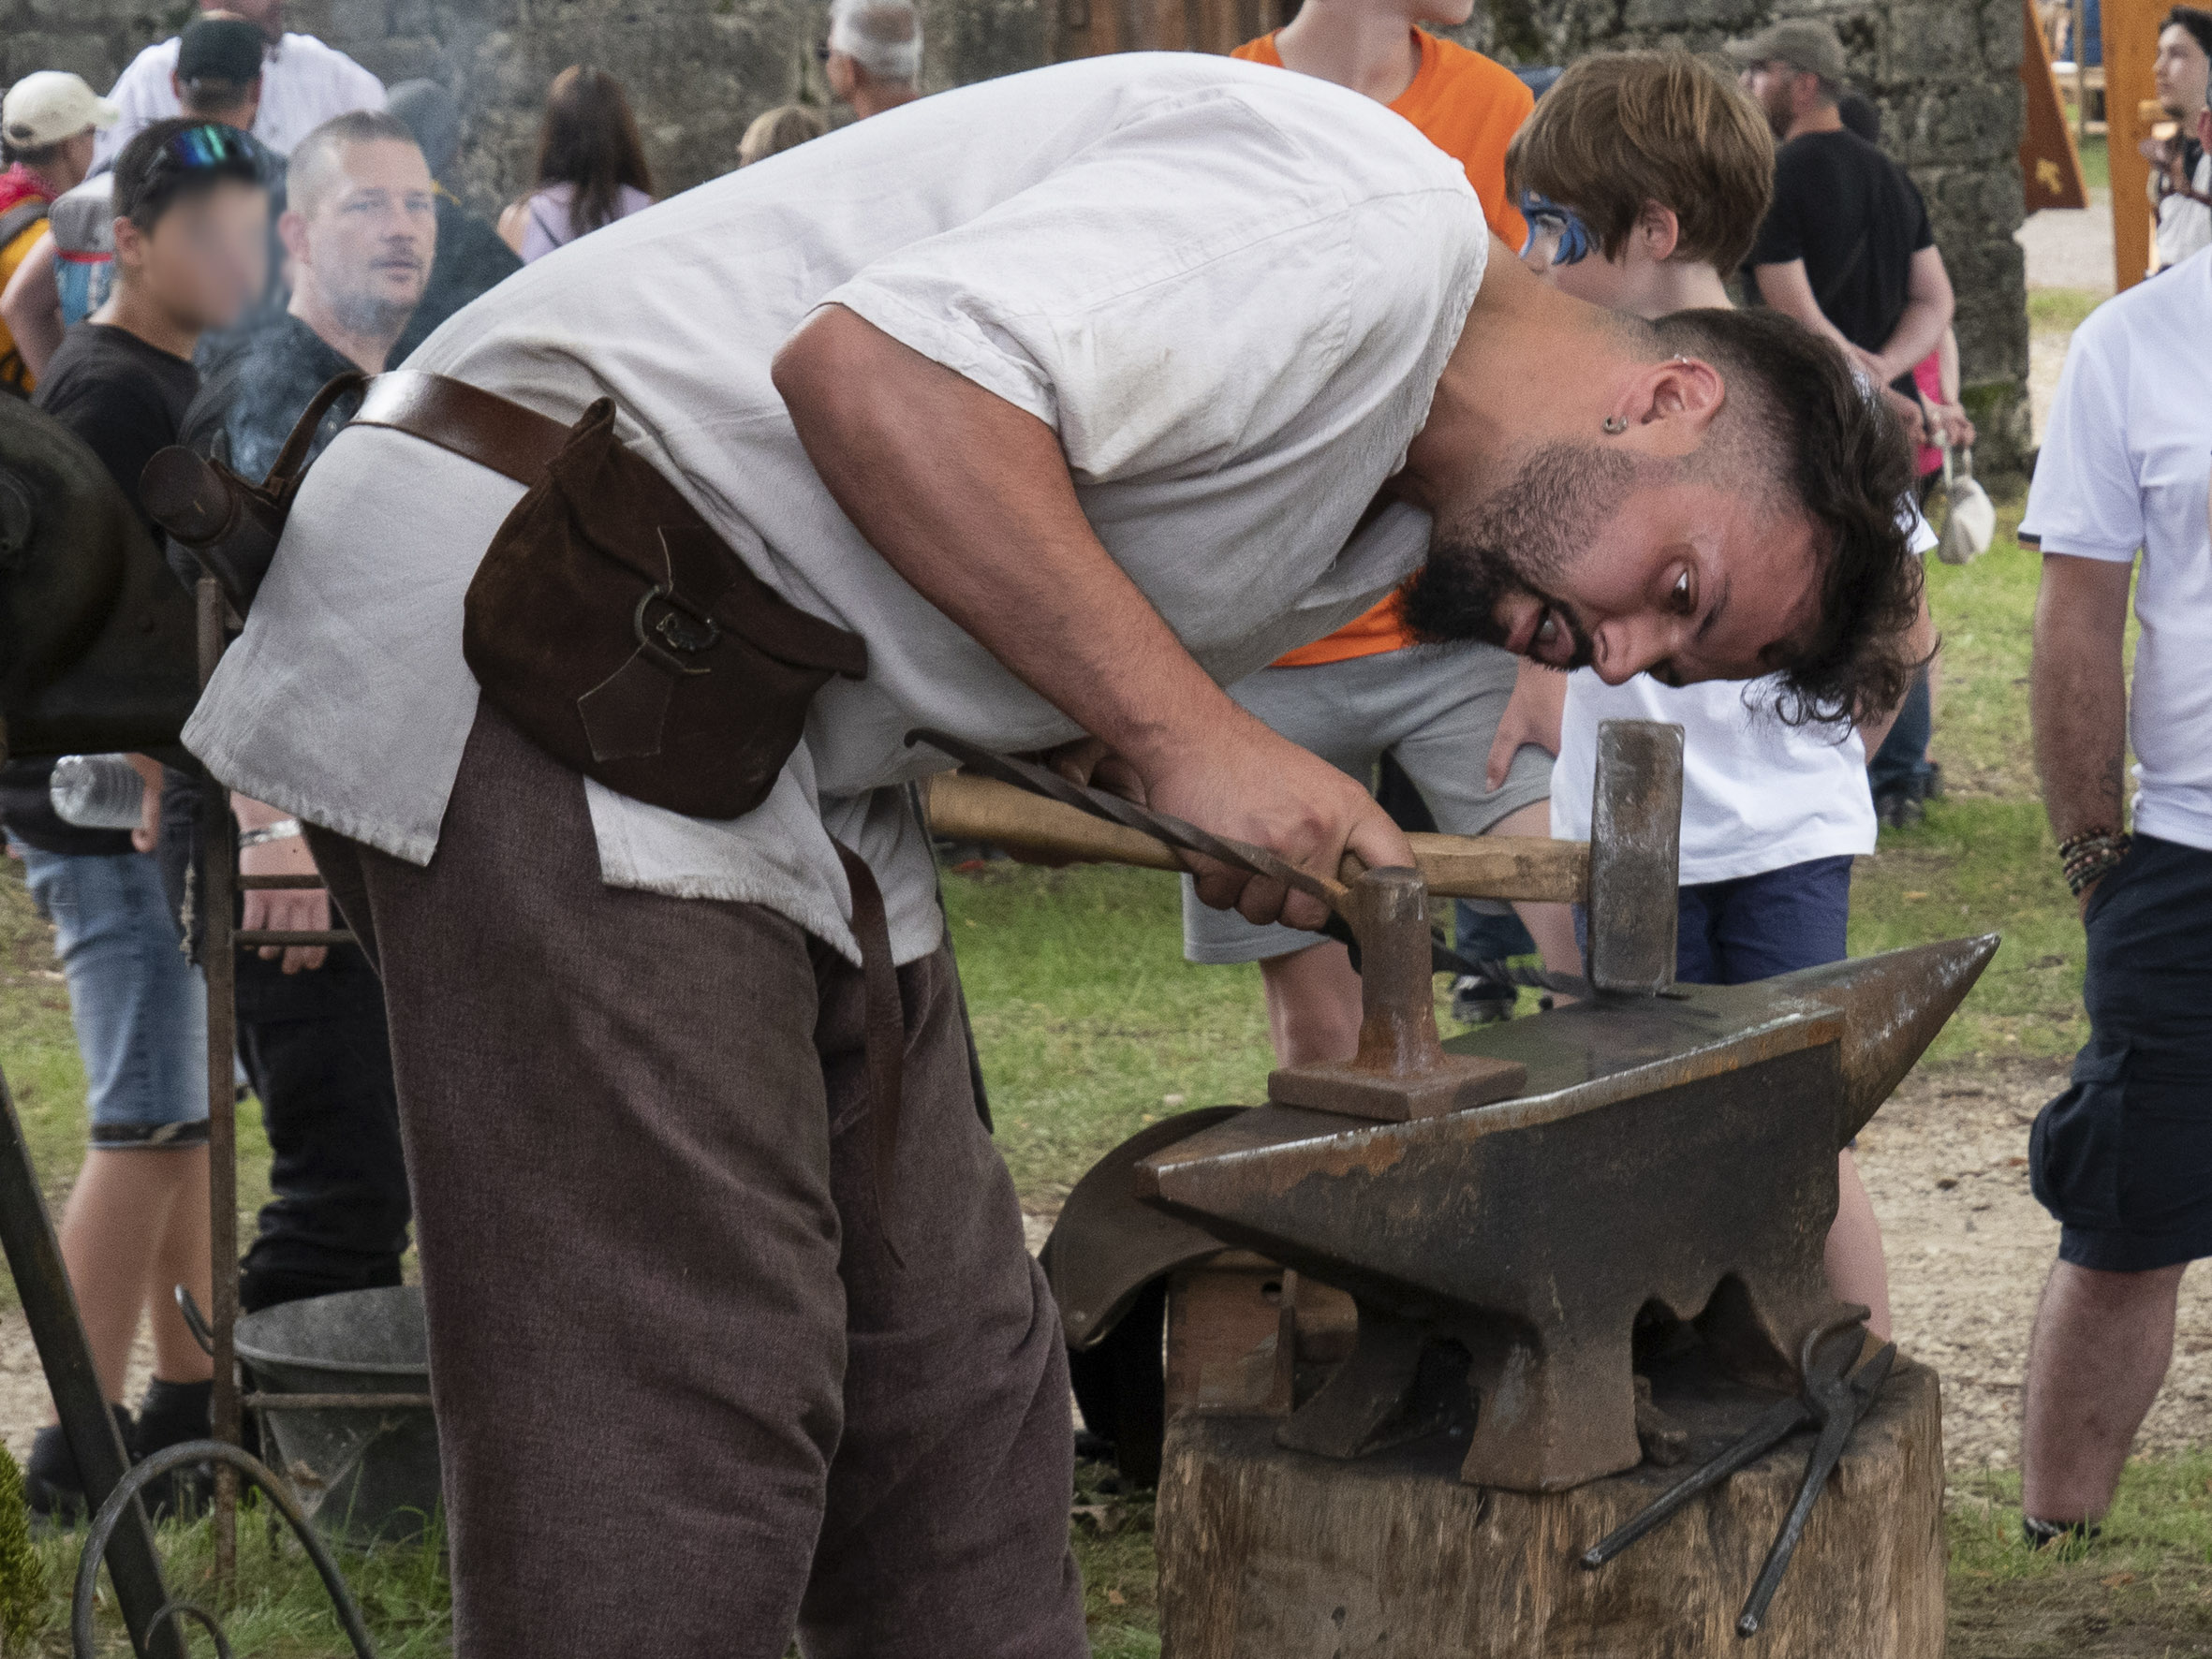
[614, 626]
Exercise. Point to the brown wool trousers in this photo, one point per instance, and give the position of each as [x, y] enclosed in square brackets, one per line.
[687, 1402]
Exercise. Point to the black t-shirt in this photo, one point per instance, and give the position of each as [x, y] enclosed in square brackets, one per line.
[125, 399]
[1856, 220]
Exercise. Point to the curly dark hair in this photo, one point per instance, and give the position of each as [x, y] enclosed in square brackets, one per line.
[1811, 431]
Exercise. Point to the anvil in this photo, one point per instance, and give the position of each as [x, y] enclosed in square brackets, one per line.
[1676, 1153]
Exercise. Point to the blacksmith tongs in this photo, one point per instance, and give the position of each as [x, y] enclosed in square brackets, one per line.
[1832, 1399]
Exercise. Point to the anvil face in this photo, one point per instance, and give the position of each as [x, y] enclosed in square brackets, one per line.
[1678, 1150]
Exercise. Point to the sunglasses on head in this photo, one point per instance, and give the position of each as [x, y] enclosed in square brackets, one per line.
[209, 144]
[1556, 235]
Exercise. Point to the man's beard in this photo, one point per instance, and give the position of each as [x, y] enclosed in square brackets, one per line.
[1521, 539]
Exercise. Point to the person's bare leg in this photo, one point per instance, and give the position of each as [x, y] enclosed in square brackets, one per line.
[111, 1234]
[1551, 926]
[1313, 1005]
[183, 1258]
[2100, 1348]
[1857, 1271]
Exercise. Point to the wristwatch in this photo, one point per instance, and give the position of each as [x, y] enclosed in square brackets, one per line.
[283, 829]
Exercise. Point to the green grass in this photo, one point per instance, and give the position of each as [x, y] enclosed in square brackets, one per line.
[279, 1610]
[2060, 311]
[2144, 1587]
[2095, 162]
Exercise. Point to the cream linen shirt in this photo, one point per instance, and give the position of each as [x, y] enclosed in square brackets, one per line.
[1230, 290]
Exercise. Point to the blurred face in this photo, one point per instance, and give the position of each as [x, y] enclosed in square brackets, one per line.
[206, 259]
[367, 246]
[2180, 71]
[1624, 563]
[1773, 88]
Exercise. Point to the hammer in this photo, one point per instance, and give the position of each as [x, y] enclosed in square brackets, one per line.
[1625, 875]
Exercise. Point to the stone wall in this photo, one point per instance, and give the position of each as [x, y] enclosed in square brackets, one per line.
[1944, 73]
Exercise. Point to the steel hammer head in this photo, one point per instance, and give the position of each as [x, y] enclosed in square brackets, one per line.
[1636, 856]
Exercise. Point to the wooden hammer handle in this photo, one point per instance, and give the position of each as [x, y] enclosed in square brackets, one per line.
[1456, 866]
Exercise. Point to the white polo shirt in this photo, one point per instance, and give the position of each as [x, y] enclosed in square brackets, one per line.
[303, 84]
[1229, 290]
[2126, 466]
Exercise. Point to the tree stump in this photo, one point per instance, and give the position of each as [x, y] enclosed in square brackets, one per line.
[1268, 1553]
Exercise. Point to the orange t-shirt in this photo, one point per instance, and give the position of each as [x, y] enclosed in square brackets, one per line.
[1469, 107]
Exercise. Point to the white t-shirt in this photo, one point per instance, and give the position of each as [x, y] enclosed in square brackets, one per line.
[2127, 464]
[1229, 290]
[2184, 227]
[1758, 793]
[303, 84]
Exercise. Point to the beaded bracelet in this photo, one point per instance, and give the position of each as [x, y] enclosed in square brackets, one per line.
[2090, 858]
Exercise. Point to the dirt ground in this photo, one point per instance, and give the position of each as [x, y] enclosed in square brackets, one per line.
[1969, 1249]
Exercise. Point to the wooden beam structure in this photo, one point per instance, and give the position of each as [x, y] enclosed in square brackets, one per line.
[2131, 30]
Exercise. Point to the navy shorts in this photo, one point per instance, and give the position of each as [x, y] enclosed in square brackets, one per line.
[2124, 1157]
[1731, 932]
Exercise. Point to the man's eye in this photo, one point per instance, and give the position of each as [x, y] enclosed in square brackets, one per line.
[1683, 600]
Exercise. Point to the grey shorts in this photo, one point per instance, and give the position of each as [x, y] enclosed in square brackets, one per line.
[1435, 708]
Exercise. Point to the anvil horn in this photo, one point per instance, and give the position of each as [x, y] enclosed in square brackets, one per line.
[1892, 1005]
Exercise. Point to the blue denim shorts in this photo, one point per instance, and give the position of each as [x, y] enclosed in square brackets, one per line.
[140, 1009]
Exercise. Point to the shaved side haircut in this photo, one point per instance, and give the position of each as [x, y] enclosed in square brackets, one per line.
[318, 167]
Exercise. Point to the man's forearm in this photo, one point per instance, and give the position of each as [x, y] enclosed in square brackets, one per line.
[2078, 692]
[969, 499]
[1919, 331]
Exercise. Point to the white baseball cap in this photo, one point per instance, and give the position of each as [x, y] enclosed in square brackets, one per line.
[50, 105]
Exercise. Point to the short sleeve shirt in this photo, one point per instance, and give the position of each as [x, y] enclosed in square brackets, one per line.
[2126, 469]
[1856, 220]
[1229, 292]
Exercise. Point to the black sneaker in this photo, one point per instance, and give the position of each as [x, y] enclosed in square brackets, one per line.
[1899, 809]
[1482, 999]
[170, 1414]
[1931, 786]
[51, 1485]
[2042, 1535]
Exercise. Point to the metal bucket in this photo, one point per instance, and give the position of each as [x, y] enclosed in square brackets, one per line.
[365, 1471]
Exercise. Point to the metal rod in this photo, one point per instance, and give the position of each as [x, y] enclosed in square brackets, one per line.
[248, 938]
[219, 869]
[49, 1308]
[260, 884]
[260, 1401]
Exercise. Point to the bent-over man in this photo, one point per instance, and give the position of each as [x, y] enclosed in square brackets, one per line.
[981, 381]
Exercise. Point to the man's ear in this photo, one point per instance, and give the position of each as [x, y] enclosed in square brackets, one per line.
[1668, 406]
[1660, 231]
[291, 229]
[2204, 129]
[130, 245]
[176, 87]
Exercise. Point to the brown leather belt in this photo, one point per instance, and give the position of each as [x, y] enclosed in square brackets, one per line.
[475, 425]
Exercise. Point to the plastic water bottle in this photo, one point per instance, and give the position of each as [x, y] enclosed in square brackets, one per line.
[96, 791]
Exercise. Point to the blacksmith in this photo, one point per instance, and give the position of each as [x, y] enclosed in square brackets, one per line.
[1073, 396]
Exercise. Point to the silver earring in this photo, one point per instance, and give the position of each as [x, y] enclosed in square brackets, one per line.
[1617, 424]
